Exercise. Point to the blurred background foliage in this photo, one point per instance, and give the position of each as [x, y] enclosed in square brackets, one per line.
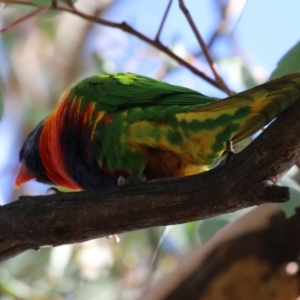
[43, 55]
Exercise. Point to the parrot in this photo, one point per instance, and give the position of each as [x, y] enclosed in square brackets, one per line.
[114, 129]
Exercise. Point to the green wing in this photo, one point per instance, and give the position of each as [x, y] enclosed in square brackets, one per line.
[123, 91]
[132, 114]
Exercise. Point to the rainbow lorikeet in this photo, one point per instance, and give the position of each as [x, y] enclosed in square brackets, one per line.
[128, 126]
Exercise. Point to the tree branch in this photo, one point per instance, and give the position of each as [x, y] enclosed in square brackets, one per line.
[127, 28]
[163, 20]
[247, 180]
[24, 18]
[204, 48]
[256, 265]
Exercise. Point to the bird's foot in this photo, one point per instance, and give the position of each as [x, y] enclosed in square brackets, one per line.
[132, 179]
[229, 153]
[53, 190]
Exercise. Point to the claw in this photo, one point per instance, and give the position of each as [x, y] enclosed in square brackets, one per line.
[121, 181]
[228, 153]
[53, 190]
[132, 179]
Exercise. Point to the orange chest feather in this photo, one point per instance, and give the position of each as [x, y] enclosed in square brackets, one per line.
[65, 140]
[52, 152]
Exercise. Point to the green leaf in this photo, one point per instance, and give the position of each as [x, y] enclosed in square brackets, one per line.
[289, 63]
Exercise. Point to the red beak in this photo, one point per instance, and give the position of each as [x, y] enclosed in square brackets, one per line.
[22, 176]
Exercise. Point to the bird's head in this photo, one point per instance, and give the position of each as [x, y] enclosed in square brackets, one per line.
[31, 166]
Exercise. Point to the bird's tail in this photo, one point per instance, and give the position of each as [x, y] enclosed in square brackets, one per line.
[269, 100]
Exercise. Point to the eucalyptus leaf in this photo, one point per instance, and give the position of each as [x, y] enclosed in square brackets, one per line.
[289, 63]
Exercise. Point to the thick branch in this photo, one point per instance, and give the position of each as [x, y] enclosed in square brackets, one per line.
[260, 264]
[246, 180]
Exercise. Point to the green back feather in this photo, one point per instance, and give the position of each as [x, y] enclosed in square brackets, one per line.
[150, 113]
[125, 90]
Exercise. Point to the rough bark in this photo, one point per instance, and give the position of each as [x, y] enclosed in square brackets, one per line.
[259, 265]
[248, 179]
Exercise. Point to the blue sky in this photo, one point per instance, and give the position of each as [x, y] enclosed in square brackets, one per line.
[268, 29]
[265, 31]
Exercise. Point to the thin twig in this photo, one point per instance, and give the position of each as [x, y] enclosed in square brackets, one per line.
[163, 20]
[204, 48]
[21, 2]
[239, 19]
[24, 18]
[127, 28]
[220, 28]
